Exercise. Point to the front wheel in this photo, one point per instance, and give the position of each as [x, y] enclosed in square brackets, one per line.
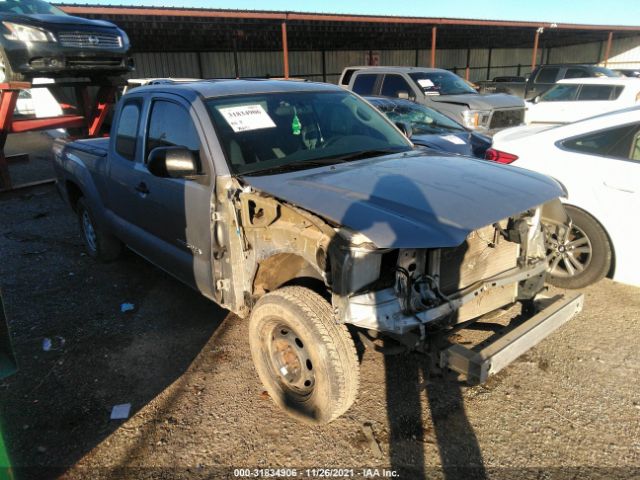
[583, 257]
[306, 361]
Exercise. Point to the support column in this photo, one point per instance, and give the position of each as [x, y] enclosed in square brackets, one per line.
[236, 68]
[466, 71]
[199, 59]
[285, 50]
[434, 33]
[489, 65]
[607, 52]
[534, 56]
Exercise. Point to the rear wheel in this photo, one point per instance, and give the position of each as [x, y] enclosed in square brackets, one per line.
[584, 257]
[6, 73]
[99, 244]
[306, 361]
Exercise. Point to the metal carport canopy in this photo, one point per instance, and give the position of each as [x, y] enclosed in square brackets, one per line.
[173, 29]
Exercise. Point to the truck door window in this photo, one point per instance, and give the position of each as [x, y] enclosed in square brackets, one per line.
[560, 93]
[364, 84]
[576, 73]
[614, 142]
[547, 75]
[170, 125]
[127, 133]
[396, 86]
[597, 92]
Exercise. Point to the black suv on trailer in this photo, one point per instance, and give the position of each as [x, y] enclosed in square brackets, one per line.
[38, 39]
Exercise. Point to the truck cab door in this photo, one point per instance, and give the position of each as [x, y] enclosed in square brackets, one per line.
[176, 213]
[126, 173]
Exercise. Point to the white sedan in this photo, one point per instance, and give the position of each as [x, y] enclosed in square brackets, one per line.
[579, 98]
[598, 162]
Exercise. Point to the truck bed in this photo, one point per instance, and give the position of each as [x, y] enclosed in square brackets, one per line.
[93, 146]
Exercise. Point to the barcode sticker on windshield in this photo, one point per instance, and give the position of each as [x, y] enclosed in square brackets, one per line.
[425, 83]
[246, 118]
[454, 139]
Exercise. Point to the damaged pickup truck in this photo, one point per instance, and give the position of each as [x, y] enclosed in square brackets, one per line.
[299, 206]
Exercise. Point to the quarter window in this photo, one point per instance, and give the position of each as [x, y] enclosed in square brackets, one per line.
[364, 84]
[346, 78]
[635, 148]
[127, 133]
[614, 142]
[599, 92]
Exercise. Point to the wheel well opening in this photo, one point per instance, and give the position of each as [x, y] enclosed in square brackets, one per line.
[74, 193]
[285, 269]
[612, 267]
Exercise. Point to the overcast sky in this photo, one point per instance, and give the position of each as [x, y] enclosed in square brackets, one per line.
[606, 12]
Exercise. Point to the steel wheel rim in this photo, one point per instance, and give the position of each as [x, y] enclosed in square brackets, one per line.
[289, 360]
[571, 256]
[89, 232]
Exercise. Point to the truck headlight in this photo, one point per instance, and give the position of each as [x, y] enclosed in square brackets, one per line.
[26, 34]
[476, 118]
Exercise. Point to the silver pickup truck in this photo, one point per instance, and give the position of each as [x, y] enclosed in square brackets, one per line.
[439, 89]
[299, 206]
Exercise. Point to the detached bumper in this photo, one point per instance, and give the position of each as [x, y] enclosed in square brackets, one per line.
[478, 365]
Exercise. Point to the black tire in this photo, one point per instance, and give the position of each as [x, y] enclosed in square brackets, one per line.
[294, 329]
[587, 247]
[100, 245]
[6, 73]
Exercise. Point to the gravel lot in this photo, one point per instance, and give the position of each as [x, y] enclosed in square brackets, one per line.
[570, 408]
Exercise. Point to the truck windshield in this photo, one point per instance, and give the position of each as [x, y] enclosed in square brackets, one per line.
[422, 119]
[29, 7]
[441, 83]
[278, 131]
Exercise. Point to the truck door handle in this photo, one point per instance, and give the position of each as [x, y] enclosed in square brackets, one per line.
[142, 188]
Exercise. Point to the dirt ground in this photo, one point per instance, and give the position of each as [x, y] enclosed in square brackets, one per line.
[570, 408]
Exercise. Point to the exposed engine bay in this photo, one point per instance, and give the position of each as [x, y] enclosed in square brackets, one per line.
[496, 266]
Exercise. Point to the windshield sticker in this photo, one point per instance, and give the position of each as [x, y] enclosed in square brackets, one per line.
[428, 87]
[246, 118]
[454, 139]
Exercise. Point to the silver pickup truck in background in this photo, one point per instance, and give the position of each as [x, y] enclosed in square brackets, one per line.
[300, 206]
[439, 89]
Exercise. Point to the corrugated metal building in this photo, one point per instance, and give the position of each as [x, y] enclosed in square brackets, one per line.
[224, 43]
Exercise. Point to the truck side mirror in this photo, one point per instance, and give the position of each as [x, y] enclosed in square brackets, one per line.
[173, 162]
[536, 99]
[405, 128]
